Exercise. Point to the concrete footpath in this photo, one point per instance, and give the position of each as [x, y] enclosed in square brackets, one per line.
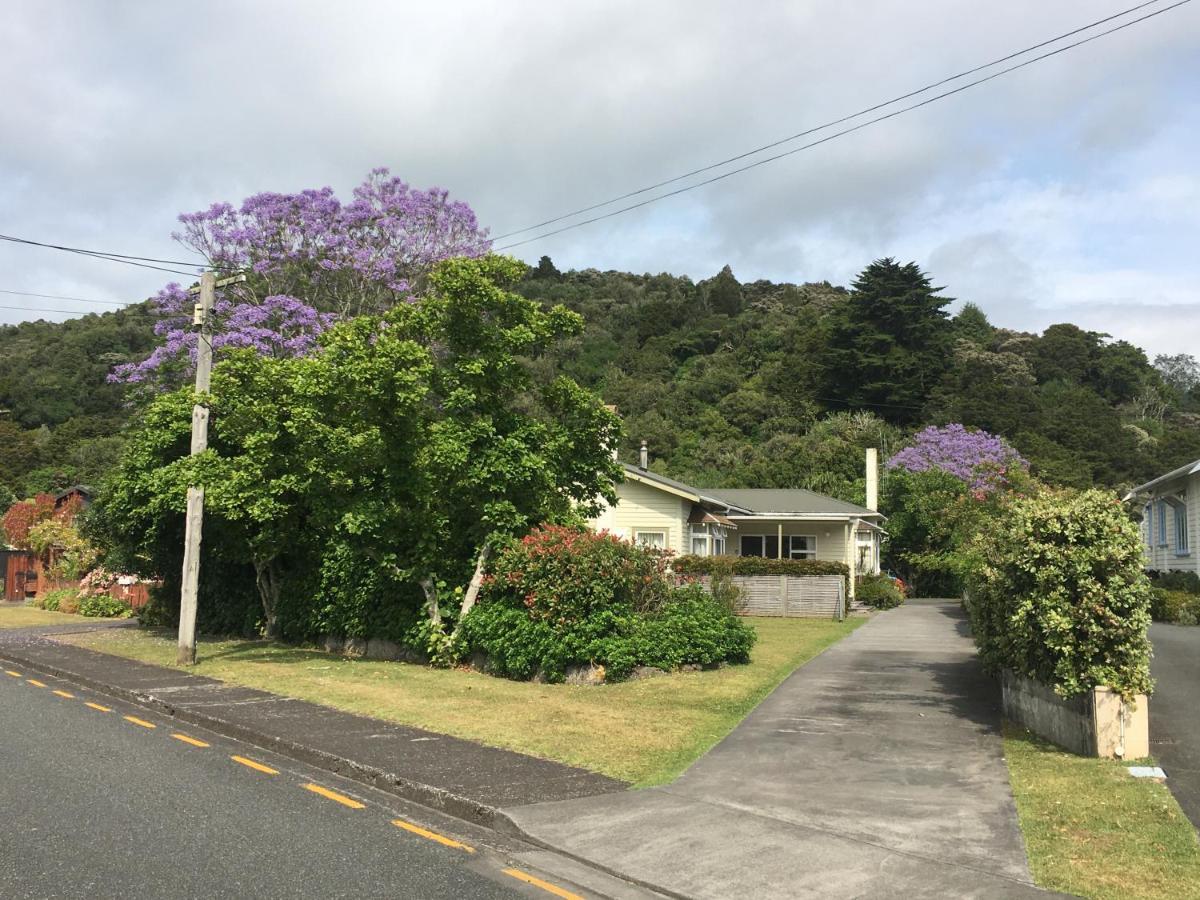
[458, 777]
[874, 771]
[1175, 711]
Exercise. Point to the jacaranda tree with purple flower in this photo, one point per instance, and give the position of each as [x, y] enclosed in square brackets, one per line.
[940, 492]
[980, 460]
[309, 259]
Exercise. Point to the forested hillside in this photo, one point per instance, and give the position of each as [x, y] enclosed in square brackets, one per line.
[756, 384]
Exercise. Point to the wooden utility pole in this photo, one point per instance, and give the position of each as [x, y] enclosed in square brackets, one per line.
[202, 322]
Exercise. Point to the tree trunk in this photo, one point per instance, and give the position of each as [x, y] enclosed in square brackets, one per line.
[473, 588]
[267, 581]
[431, 601]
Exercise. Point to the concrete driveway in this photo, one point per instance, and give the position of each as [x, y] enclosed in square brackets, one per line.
[876, 770]
[1175, 711]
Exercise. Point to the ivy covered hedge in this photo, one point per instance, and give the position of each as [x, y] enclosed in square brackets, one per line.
[1060, 595]
[755, 565]
[568, 596]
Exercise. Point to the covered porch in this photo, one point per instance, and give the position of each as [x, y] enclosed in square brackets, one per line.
[844, 539]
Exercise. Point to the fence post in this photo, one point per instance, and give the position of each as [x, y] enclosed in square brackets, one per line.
[841, 601]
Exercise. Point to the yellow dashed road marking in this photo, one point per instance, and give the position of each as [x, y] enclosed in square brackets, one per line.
[12, 673]
[189, 740]
[257, 766]
[97, 706]
[544, 885]
[334, 796]
[142, 722]
[432, 835]
[66, 694]
[35, 682]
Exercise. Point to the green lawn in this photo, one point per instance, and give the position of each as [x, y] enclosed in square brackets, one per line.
[1093, 830]
[645, 731]
[24, 616]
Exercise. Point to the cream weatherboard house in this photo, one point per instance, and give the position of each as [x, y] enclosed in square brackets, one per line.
[1170, 520]
[786, 524]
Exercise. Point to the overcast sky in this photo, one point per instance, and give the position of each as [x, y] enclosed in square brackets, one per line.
[1068, 191]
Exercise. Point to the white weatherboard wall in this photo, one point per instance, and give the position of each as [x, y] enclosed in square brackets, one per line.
[1164, 556]
[643, 508]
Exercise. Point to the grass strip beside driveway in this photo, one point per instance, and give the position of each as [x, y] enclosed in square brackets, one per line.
[645, 731]
[26, 616]
[1093, 830]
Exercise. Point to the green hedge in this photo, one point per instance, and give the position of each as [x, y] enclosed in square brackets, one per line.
[1177, 607]
[755, 565]
[878, 591]
[1184, 582]
[1060, 596]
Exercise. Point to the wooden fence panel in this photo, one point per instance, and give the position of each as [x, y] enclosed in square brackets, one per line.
[810, 596]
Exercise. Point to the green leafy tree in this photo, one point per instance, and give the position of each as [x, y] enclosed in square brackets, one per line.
[971, 324]
[888, 344]
[417, 437]
[725, 293]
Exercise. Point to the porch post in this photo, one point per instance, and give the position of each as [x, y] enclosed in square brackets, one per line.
[779, 548]
[851, 540]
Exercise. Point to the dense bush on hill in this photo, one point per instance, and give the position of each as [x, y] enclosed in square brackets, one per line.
[757, 384]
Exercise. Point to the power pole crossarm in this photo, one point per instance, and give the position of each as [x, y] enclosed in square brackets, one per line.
[195, 496]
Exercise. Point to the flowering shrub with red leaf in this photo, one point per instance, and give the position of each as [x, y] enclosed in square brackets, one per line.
[23, 516]
[563, 575]
[569, 596]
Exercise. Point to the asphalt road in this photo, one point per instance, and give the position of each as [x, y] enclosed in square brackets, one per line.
[1175, 711]
[95, 805]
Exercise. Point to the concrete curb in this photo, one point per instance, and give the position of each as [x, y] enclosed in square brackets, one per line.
[504, 824]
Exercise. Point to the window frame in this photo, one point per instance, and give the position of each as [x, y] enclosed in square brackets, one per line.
[807, 554]
[1162, 523]
[666, 537]
[764, 538]
[1182, 547]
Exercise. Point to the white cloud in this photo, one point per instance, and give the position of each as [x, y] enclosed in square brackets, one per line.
[1063, 186]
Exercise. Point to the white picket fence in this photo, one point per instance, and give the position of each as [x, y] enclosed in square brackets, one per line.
[811, 596]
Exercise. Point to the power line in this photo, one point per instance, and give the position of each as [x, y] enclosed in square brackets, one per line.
[127, 259]
[68, 312]
[838, 134]
[76, 299]
[829, 124]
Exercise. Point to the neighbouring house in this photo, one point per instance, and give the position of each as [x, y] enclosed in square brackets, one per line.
[1170, 524]
[778, 523]
[79, 494]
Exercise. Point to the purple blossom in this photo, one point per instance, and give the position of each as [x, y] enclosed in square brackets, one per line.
[980, 459]
[311, 259]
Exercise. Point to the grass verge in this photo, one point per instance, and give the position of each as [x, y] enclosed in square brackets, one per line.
[645, 731]
[1093, 830]
[24, 616]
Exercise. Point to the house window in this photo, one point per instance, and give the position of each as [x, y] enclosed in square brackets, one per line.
[800, 546]
[718, 546]
[1149, 517]
[1181, 531]
[760, 545]
[700, 545]
[656, 539]
[1162, 523]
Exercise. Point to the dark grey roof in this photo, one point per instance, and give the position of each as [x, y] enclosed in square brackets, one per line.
[760, 501]
[788, 500]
